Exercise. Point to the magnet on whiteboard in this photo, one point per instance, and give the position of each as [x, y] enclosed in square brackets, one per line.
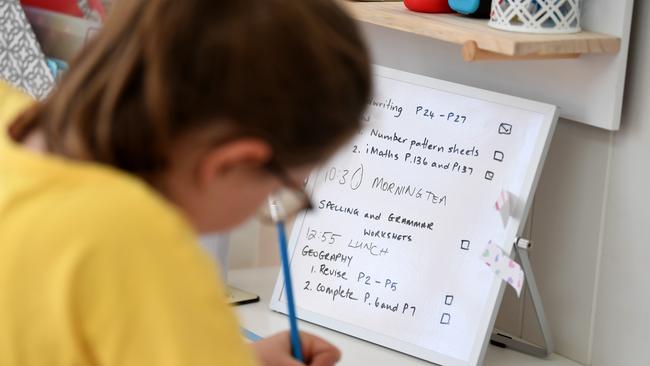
[504, 206]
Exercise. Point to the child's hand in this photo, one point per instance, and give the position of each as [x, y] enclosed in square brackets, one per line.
[276, 351]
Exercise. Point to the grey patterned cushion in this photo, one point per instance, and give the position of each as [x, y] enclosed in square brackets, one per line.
[22, 62]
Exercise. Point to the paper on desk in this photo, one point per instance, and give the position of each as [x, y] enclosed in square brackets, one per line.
[503, 267]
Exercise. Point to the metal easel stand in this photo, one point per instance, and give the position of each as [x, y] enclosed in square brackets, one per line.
[500, 339]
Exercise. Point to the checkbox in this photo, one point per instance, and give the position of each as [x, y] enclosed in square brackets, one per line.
[489, 175]
[464, 244]
[449, 299]
[498, 155]
[505, 129]
[446, 318]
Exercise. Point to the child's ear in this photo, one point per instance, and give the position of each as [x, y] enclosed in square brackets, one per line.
[219, 162]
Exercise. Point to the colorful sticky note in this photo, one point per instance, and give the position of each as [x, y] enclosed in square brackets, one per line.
[504, 207]
[503, 267]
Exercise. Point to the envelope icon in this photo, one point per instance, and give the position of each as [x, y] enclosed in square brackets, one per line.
[505, 129]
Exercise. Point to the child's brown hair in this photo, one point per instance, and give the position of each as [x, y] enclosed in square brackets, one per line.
[294, 73]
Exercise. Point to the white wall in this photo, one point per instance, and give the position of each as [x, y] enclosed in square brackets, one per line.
[622, 311]
[589, 222]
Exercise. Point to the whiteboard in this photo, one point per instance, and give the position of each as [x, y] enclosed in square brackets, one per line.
[391, 252]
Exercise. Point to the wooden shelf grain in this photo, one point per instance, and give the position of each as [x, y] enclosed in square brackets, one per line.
[480, 41]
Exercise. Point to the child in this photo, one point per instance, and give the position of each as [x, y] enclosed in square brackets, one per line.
[179, 118]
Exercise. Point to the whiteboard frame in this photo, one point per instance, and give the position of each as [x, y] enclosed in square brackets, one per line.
[514, 228]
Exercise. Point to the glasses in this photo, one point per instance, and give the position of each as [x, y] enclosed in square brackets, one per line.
[288, 202]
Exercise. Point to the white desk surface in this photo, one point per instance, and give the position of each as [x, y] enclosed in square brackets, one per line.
[259, 319]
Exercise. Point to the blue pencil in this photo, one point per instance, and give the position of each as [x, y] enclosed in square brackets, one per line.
[293, 323]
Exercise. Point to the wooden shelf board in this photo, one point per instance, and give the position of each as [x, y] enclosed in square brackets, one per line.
[461, 30]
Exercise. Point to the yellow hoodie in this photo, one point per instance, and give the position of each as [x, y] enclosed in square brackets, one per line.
[97, 269]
